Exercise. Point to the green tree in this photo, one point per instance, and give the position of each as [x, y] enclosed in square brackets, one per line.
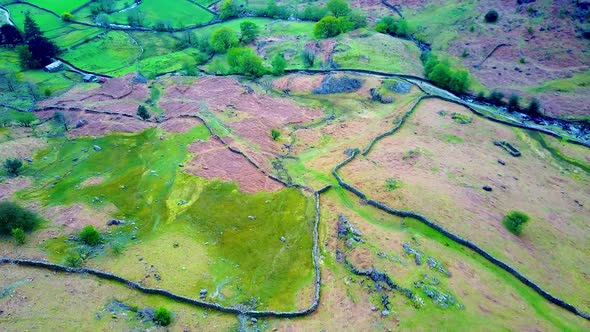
[515, 221]
[32, 29]
[228, 9]
[339, 8]
[19, 235]
[279, 64]
[13, 216]
[443, 75]
[244, 61]
[491, 16]
[90, 236]
[9, 35]
[249, 31]
[514, 103]
[60, 119]
[223, 39]
[313, 13]
[534, 108]
[12, 166]
[143, 113]
[394, 27]
[331, 26]
[358, 19]
[163, 317]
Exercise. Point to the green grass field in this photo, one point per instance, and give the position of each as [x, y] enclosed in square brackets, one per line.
[182, 14]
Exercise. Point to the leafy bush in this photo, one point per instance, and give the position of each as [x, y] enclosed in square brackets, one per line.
[223, 39]
[279, 64]
[491, 16]
[244, 61]
[394, 27]
[313, 13]
[19, 235]
[275, 11]
[163, 317]
[142, 112]
[443, 75]
[515, 220]
[392, 184]
[67, 16]
[514, 103]
[249, 31]
[90, 236]
[13, 216]
[339, 8]
[496, 98]
[73, 260]
[228, 9]
[331, 26]
[275, 134]
[534, 108]
[12, 165]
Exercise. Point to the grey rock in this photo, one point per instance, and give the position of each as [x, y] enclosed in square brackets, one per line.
[97, 148]
[331, 84]
[283, 239]
[146, 314]
[487, 188]
[115, 222]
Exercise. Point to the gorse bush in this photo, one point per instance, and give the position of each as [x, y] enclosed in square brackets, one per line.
[443, 75]
[308, 58]
[491, 16]
[279, 64]
[248, 32]
[90, 236]
[12, 166]
[12, 216]
[275, 134]
[143, 113]
[515, 220]
[331, 26]
[163, 317]
[18, 234]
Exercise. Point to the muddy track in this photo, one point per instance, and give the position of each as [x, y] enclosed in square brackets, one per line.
[452, 236]
[395, 8]
[490, 54]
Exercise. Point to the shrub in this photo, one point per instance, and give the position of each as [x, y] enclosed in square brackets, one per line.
[496, 98]
[394, 27]
[331, 26]
[90, 236]
[223, 39]
[228, 9]
[392, 184]
[73, 260]
[339, 8]
[249, 31]
[163, 317]
[67, 16]
[275, 134]
[143, 113]
[12, 165]
[13, 216]
[514, 103]
[308, 58]
[443, 75]
[515, 220]
[279, 64]
[244, 61]
[358, 19]
[313, 13]
[491, 16]
[273, 10]
[534, 108]
[19, 235]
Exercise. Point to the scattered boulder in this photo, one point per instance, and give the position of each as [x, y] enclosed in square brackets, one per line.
[331, 84]
[146, 314]
[501, 162]
[251, 217]
[81, 123]
[97, 148]
[115, 222]
[203, 294]
[175, 245]
[283, 239]
[487, 188]
[400, 87]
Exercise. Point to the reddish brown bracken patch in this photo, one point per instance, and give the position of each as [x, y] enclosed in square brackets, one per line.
[215, 161]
